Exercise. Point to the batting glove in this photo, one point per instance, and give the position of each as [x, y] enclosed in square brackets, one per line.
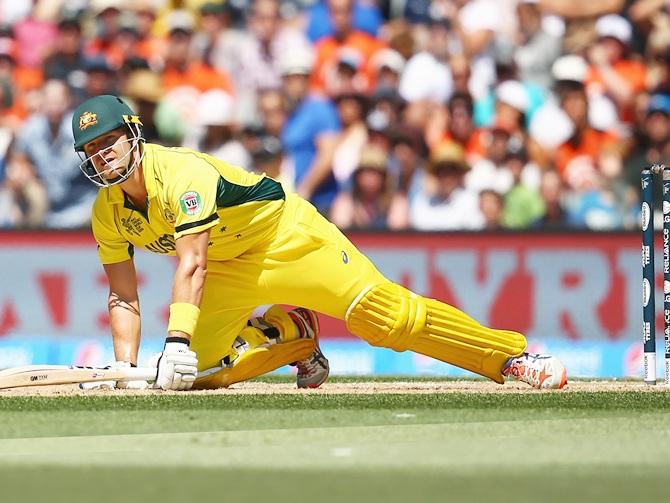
[177, 366]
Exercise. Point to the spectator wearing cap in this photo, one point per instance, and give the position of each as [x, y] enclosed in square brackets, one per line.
[43, 153]
[387, 66]
[347, 46]
[444, 203]
[309, 133]
[67, 61]
[348, 76]
[180, 69]
[216, 133]
[269, 37]
[537, 49]
[366, 205]
[613, 71]
[512, 104]
[550, 126]
[523, 95]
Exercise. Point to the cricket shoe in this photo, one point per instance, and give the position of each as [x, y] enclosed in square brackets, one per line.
[540, 371]
[313, 370]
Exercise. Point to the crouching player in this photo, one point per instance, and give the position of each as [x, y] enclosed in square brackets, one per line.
[242, 242]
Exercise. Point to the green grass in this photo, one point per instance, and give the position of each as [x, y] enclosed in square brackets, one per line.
[577, 446]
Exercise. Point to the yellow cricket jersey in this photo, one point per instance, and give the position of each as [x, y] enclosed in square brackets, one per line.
[188, 192]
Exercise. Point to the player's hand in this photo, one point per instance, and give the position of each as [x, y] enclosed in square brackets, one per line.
[115, 384]
[177, 367]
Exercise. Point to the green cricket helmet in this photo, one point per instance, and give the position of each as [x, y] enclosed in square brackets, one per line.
[98, 116]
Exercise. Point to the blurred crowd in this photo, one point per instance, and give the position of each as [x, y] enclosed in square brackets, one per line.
[390, 114]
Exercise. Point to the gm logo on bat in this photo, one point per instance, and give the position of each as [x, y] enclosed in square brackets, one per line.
[39, 377]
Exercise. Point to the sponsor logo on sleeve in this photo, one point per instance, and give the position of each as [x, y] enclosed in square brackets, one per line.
[190, 203]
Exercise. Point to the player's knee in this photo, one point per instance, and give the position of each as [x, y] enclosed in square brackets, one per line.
[387, 315]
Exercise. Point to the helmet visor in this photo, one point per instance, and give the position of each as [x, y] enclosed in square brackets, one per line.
[104, 171]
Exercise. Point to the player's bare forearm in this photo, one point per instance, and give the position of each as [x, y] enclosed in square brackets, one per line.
[189, 278]
[124, 310]
[124, 319]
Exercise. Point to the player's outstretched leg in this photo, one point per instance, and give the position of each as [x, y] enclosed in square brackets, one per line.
[313, 370]
[391, 316]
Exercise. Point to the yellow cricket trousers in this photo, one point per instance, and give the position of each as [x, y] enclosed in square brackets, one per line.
[307, 262]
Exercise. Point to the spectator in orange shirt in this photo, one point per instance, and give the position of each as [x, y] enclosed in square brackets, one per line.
[345, 36]
[612, 71]
[180, 69]
[461, 127]
[125, 46]
[18, 81]
[107, 21]
[586, 141]
[149, 47]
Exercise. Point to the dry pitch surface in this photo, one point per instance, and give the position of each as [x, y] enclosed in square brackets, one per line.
[362, 387]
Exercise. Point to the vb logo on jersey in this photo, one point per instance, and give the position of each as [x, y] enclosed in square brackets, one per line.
[190, 203]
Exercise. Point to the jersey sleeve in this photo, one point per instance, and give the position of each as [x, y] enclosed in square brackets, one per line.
[112, 247]
[191, 193]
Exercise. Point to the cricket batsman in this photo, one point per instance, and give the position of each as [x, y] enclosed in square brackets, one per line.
[242, 242]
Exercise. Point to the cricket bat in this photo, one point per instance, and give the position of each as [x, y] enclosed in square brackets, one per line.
[47, 375]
